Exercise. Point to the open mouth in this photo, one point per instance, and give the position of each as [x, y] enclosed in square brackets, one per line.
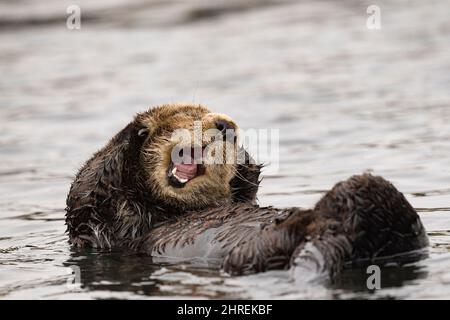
[187, 168]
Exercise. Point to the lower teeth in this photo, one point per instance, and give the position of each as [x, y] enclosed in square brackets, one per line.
[181, 180]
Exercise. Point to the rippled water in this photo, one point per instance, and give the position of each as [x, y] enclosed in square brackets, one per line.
[345, 99]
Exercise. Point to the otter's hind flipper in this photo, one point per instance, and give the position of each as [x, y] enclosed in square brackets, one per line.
[373, 223]
[376, 217]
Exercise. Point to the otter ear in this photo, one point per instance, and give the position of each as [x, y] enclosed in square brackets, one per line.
[143, 132]
[245, 183]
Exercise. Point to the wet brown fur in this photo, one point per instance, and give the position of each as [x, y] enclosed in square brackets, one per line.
[120, 198]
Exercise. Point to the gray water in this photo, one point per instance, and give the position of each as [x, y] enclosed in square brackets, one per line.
[345, 99]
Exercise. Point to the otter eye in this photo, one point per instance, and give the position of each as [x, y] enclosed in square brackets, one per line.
[143, 132]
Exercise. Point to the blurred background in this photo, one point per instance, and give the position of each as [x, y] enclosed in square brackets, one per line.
[345, 99]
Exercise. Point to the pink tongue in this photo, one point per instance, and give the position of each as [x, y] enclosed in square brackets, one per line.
[186, 171]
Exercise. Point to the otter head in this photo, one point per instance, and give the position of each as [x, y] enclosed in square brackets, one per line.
[185, 156]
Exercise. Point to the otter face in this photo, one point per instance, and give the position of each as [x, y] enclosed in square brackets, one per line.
[189, 155]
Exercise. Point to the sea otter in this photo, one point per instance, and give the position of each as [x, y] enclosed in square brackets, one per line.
[133, 195]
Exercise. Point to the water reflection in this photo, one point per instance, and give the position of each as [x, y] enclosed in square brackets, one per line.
[114, 271]
[355, 280]
[137, 274]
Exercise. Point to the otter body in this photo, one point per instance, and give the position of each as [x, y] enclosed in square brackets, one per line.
[132, 194]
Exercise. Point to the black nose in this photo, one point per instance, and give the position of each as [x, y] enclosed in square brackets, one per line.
[223, 126]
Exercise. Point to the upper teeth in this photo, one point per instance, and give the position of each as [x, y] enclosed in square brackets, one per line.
[181, 180]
